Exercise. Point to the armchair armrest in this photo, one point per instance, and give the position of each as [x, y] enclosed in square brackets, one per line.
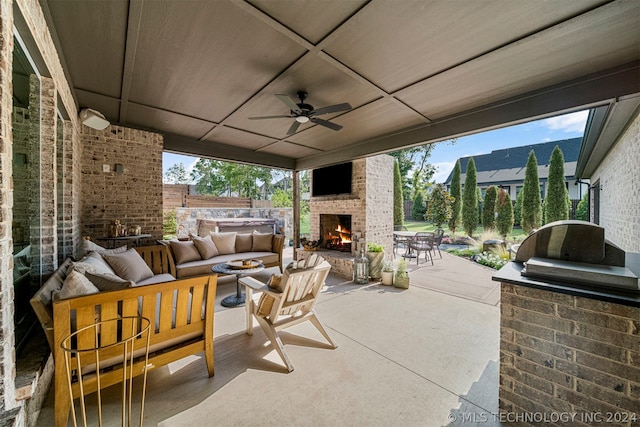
[254, 285]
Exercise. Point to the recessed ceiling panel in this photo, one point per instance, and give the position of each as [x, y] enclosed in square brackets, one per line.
[325, 85]
[556, 55]
[94, 62]
[238, 138]
[204, 59]
[382, 116]
[165, 121]
[312, 19]
[290, 150]
[397, 43]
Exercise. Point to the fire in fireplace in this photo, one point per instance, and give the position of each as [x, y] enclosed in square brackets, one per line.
[335, 232]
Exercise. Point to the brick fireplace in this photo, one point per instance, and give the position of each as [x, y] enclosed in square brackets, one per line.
[369, 208]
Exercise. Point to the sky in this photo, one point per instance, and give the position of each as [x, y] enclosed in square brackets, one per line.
[444, 155]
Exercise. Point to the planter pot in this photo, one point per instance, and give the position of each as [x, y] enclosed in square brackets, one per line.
[387, 278]
[401, 280]
[375, 264]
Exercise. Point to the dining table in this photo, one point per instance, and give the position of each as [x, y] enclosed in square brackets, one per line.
[404, 237]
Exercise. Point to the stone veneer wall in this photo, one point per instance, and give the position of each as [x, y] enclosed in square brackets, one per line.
[567, 354]
[620, 190]
[135, 196]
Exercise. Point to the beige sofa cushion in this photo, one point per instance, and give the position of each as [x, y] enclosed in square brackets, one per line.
[202, 267]
[225, 242]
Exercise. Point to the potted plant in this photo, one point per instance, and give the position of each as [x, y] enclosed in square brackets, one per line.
[375, 255]
[401, 279]
[387, 273]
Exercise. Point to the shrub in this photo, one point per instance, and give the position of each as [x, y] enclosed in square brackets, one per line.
[398, 200]
[439, 210]
[470, 200]
[419, 208]
[582, 210]
[517, 210]
[169, 224]
[504, 208]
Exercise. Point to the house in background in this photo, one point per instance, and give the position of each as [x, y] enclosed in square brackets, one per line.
[506, 168]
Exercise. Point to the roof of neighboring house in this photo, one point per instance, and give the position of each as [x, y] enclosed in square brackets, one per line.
[509, 164]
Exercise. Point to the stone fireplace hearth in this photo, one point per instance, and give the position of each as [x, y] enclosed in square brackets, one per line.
[335, 232]
[369, 207]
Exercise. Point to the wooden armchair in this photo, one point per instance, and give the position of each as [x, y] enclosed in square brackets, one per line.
[288, 303]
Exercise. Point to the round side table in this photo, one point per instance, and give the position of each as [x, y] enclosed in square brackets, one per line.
[237, 299]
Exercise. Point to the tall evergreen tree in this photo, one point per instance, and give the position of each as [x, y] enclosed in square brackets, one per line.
[489, 208]
[470, 199]
[555, 204]
[517, 209]
[531, 205]
[582, 210]
[456, 193]
[504, 208]
[398, 200]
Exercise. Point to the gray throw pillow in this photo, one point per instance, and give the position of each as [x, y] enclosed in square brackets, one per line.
[243, 243]
[129, 265]
[205, 246]
[184, 251]
[262, 242]
[108, 282]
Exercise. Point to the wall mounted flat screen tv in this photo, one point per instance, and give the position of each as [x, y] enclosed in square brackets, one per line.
[331, 180]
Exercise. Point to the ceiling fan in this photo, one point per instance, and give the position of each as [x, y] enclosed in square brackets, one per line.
[303, 113]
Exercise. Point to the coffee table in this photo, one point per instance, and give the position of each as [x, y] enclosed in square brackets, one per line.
[224, 268]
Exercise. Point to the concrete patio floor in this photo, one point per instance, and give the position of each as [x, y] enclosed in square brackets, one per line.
[424, 356]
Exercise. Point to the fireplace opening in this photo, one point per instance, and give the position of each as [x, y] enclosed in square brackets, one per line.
[335, 232]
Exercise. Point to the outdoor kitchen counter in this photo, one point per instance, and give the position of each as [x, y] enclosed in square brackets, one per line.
[510, 273]
[567, 350]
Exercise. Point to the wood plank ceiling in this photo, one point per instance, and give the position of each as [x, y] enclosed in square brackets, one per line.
[414, 71]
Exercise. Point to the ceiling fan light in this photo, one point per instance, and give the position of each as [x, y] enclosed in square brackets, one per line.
[302, 119]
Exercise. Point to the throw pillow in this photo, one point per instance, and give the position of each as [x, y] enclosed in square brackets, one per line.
[75, 284]
[108, 282]
[265, 304]
[243, 243]
[89, 246]
[262, 242]
[205, 246]
[129, 265]
[119, 250]
[184, 251]
[93, 263]
[225, 242]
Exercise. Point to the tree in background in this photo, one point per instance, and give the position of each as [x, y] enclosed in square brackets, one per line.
[456, 193]
[439, 210]
[231, 179]
[531, 205]
[176, 174]
[419, 208]
[504, 208]
[281, 199]
[489, 208]
[555, 204]
[517, 209]
[398, 199]
[470, 199]
[582, 210]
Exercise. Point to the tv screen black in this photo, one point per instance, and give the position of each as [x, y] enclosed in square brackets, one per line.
[331, 180]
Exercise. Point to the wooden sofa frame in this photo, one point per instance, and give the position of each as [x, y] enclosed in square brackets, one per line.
[188, 328]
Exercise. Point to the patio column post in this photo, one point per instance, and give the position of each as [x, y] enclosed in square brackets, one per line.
[296, 212]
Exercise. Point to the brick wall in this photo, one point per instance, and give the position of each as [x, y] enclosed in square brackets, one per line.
[567, 354]
[620, 190]
[134, 196]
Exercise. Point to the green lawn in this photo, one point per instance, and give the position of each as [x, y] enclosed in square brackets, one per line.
[517, 233]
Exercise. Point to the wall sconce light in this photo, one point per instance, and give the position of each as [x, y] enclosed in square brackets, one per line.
[94, 119]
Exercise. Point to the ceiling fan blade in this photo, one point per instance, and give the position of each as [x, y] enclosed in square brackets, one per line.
[326, 123]
[332, 109]
[269, 117]
[294, 127]
[289, 103]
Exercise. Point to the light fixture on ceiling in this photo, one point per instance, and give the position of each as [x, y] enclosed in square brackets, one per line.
[302, 119]
[94, 119]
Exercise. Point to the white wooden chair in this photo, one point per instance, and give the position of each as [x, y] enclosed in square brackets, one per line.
[289, 303]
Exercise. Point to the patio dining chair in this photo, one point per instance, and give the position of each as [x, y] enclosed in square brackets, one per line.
[287, 301]
[423, 242]
[437, 240]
